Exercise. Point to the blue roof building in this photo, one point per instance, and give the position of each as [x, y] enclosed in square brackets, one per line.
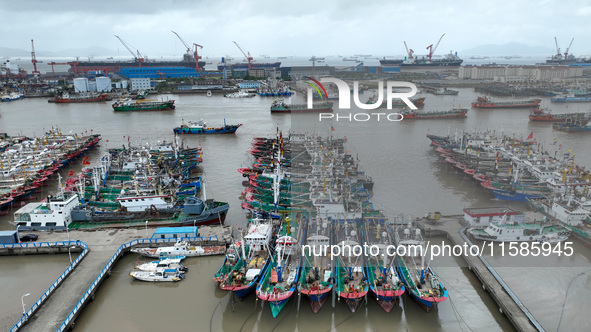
[175, 232]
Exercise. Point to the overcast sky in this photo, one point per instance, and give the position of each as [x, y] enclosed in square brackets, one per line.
[317, 27]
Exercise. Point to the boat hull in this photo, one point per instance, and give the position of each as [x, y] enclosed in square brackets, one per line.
[316, 298]
[202, 131]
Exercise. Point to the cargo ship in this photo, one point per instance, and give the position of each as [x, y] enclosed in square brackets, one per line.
[253, 65]
[547, 116]
[450, 60]
[571, 100]
[418, 102]
[115, 66]
[572, 126]
[143, 105]
[279, 106]
[485, 102]
[456, 113]
[84, 98]
[200, 127]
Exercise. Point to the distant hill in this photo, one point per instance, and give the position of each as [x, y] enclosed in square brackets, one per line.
[508, 49]
[69, 52]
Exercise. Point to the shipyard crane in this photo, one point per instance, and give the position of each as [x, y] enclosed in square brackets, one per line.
[409, 52]
[248, 57]
[558, 55]
[189, 52]
[139, 58]
[432, 49]
[34, 59]
[568, 48]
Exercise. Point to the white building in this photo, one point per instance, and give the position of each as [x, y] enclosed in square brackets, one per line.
[514, 74]
[140, 83]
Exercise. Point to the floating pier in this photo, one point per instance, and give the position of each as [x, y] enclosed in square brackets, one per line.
[58, 307]
[509, 304]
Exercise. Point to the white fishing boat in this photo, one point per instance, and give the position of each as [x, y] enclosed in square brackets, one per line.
[165, 263]
[503, 231]
[160, 275]
[181, 248]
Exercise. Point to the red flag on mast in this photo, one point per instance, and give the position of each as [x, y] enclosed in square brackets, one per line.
[531, 135]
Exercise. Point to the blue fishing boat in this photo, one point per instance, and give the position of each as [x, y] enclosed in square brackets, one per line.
[200, 127]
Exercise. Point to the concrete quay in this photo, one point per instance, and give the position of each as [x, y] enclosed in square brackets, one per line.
[509, 304]
[59, 310]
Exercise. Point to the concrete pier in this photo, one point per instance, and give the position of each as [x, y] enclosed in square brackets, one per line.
[508, 303]
[102, 246]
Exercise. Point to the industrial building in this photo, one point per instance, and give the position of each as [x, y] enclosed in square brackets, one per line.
[140, 83]
[101, 84]
[515, 74]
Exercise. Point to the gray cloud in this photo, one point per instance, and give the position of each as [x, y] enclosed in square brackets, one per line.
[293, 28]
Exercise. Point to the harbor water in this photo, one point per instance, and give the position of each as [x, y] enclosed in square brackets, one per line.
[408, 179]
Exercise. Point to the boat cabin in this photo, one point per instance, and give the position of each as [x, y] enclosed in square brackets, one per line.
[487, 215]
[53, 214]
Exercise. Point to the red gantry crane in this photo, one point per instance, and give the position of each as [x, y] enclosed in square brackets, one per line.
[432, 49]
[139, 58]
[248, 57]
[188, 52]
[34, 59]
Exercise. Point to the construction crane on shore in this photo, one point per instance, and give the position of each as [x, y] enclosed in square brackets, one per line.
[138, 57]
[409, 52]
[432, 49]
[248, 57]
[568, 48]
[558, 55]
[34, 59]
[190, 55]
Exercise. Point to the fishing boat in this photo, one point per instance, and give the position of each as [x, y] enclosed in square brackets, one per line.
[451, 114]
[512, 192]
[243, 280]
[199, 127]
[240, 94]
[141, 94]
[279, 281]
[232, 262]
[419, 279]
[279, 106]
[12, 96]
[316, 280]
[143, 105]
[160, 275]
[164, 263]
[485, 102]
[547, 116]
[180, 248]
[384, 283]
[504, 231]
[62, 98]
[352, 285]
[572, 126]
